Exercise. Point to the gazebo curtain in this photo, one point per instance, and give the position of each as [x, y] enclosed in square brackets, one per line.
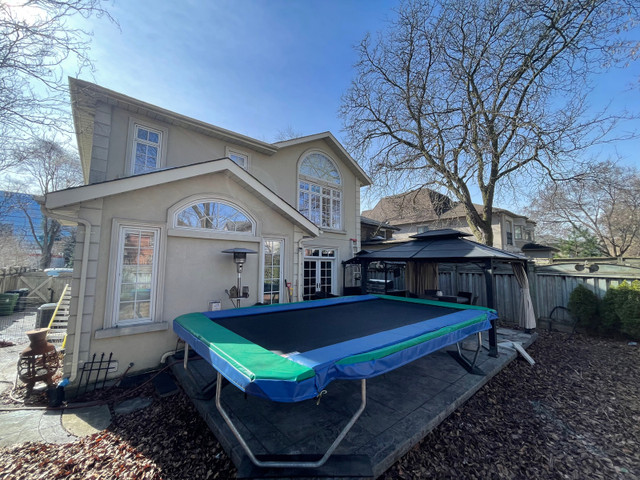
[421, 276]
[527, 315]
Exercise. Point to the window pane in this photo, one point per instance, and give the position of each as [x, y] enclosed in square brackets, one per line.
[142, 133]
[154, 137]
[214, 216]
[136, 269]
[318, 166]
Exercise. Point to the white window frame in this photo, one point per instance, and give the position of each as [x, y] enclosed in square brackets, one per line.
[332, 259]
[231, 152]
[281, 297]
[120, 226]
[134, 123]
[180, 231]
[321, 184]
[509, 232]
[518, 232]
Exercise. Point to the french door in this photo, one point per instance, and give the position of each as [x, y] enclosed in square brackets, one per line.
[319, 272]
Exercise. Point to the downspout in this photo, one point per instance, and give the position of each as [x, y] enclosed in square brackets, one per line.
[300, 270]
[83, 286]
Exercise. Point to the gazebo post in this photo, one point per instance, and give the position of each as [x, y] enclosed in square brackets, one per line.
[493, 332]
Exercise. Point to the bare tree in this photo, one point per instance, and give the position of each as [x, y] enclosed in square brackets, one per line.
[604, 202]
[45, 166]
[467, 94]
[287, 133]
[37, 45]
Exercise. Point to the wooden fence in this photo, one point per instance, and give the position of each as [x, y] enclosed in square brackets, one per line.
[550, 285]
[42, 287]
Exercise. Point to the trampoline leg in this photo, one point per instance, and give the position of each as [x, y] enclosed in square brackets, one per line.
[493, 340]
[292, 464]
[469, 365]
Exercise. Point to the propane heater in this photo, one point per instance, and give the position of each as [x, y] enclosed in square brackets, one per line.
[238, 292]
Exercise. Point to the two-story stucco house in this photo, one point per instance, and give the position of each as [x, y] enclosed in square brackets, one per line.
[166, 195]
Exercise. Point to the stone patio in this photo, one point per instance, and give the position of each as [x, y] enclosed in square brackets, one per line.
[403, 406]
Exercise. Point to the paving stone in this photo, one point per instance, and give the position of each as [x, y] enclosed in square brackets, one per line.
[131, 405]
[86, 421]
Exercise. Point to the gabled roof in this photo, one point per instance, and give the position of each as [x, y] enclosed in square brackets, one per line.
[376, 223]
[423, 206]
[337, 147]
[442, 246]
[410, 207]
[85, 97]
[63, 199]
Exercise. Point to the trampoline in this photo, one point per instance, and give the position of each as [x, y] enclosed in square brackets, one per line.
[291, 352]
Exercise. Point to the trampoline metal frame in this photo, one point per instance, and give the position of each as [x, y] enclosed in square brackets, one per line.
[291, 464]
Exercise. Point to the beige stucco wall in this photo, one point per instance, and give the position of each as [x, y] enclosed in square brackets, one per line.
[278, 172]
[193, 270]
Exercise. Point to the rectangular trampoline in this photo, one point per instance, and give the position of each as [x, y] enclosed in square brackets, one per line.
[291, 352]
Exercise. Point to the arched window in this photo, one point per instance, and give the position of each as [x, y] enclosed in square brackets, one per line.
[320, 191]
[215, 216]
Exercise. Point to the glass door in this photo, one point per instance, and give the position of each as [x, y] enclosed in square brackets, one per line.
[319, 272]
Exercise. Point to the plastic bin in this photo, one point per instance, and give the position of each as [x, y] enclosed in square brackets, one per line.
[8, 303]
[21, 304]
[44, 314]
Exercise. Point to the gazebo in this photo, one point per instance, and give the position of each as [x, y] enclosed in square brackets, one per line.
[422, 256]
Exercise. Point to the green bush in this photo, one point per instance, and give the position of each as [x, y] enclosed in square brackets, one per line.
[583, 305]
[629, 311]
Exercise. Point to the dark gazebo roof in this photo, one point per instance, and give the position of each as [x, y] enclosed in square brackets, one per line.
[444, 245]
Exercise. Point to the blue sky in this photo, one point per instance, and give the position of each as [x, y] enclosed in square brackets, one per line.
[259, 67]
[254, 67]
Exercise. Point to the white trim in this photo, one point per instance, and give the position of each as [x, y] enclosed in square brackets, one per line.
[333, 260]
[131, 139]
[76, 195]
[311, 151]
[131, 330]
[113, 285]
[283, 244]
[229, 151]
[319, 182]
[84, 96]
[183, 204]
[328, 136]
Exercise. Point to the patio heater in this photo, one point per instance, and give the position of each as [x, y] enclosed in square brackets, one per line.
[238, 292]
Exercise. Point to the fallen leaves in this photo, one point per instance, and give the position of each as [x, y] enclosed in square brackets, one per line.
[572, 415]
[575, 414]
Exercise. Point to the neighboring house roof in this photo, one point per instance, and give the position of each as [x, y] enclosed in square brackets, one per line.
[376, 223]
[86, 95]
[66, 198]
[410, 207]
[424, 205]
[538, 247]
[442, 246]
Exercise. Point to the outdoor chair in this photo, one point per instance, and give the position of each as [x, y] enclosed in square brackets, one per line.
[467, 295]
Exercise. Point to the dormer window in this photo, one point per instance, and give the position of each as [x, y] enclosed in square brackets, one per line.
[146, 149]
[146, 146]
[320, 191]
[238, 157]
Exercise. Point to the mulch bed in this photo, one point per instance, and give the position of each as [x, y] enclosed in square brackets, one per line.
[575, 414]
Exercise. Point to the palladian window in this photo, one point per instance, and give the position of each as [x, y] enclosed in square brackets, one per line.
[320, 191]
[214, 216]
